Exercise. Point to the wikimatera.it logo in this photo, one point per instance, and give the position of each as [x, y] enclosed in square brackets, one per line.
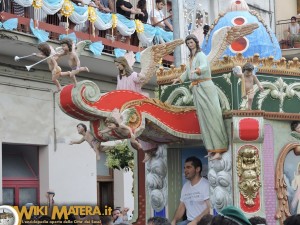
[15, 215]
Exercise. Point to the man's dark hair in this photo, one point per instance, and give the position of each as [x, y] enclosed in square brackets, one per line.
[205, 220]
[257, 220]
[293, 18]
[83, 125]
[106, 220]
[205, 29]
[292, 220]
[294, 125]
[195, 162]
[156, 220]
[221, 220]
[159, 1]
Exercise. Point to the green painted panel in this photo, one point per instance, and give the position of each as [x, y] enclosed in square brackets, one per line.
[280, 95]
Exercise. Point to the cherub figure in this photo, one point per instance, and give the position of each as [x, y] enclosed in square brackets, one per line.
[69, 49]
[120, 131]
[87, 136]
[248, 77]
[46, 51]
[295, 127]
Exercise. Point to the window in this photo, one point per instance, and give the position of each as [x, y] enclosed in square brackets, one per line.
[20, 174]
[105, 183]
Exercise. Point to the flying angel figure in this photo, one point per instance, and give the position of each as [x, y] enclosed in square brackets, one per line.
[73, 52]
[48, 52]
[150, 57]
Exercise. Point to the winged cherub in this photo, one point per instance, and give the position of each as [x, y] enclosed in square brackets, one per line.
[46, 51]
[70, 50]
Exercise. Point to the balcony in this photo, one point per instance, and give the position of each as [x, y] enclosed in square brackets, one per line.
[102, 65]
[287, 50]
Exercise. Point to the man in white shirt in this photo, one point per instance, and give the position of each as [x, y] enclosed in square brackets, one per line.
[157, 16]
[194, 194]
[294, 30]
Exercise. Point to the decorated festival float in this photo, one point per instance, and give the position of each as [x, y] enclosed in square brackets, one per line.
[259, 172]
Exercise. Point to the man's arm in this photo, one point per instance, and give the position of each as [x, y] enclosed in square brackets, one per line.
[198, 218]
[101, 7]
[155, 22]
[169, 25]
[179, 213]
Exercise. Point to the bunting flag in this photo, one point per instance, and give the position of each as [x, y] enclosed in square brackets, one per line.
[10, 24]
[119, 52]
[71, 36]
[96, 48]
[41, 35]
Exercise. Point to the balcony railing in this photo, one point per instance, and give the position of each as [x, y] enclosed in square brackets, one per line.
[282, 34]
[55, 30]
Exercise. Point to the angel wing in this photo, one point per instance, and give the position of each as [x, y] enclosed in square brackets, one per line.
[117, 115]
[79, 47]
[124, 117]
[198, 32]
[54, 51]
[130, 57]
[152, 55]
[225, 36]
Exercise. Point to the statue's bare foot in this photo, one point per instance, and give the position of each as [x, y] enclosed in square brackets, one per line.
[213, 156]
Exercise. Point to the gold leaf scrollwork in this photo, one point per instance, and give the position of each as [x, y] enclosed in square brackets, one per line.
[248, 169]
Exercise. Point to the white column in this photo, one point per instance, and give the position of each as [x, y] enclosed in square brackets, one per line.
[180, 53]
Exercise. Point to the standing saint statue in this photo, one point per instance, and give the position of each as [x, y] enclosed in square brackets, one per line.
[206, 99]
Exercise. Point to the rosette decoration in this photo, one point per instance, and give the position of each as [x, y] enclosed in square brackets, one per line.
[67, 10]
[139, 26]
[92, 18]
[37, 5]
[114, 19]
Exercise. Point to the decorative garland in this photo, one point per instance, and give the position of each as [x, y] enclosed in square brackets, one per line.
[67, 10]
[139, 26]
[92, 18]
[37, 4]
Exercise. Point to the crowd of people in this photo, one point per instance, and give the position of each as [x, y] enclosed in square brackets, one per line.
[155, 17]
